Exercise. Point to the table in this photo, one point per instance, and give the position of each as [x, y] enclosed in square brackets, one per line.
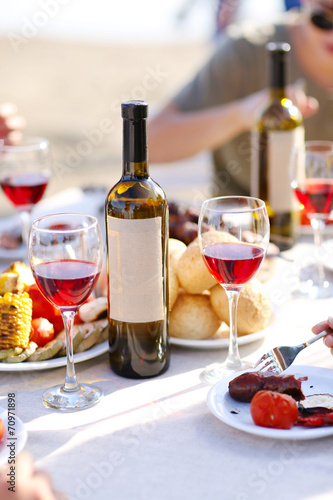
[156, 438]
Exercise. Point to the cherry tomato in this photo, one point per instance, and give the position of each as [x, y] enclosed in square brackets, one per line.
[42, 331]
[272, 409]
[2, 429]
[41, 308]
[57, 323]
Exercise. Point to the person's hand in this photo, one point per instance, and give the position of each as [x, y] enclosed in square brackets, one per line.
[307, 105]
[252, 105]
[11, 124]
[30, 484]
[324, 325]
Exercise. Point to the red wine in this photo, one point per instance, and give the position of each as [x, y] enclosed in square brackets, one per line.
[66, 283]
[25, 189]
[316, 195]
[233, 263]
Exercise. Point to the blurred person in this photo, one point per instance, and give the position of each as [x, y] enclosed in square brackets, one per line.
[30, 483]
[217, 110]
[323, 325]
[292, 4]
[11, 124]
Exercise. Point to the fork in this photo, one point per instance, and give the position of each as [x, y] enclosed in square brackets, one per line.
[279, 358]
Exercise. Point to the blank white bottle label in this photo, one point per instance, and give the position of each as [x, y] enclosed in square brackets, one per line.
[135, 269]
[280, 144]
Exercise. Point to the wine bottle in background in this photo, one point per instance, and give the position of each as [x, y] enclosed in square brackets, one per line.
[137, 238]
[279, 127]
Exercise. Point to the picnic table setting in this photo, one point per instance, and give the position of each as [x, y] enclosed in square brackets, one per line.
[210, 400]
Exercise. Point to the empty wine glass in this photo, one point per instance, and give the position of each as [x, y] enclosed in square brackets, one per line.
[233, 238]
[66, 256]
[25, 170]
[311, 168]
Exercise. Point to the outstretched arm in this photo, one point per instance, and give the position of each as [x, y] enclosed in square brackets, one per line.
[175, 134]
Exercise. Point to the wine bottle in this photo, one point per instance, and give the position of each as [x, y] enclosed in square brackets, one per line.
[279, 127]
[137, 239]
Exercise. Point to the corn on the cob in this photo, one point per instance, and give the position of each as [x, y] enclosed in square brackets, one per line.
[15, 320]
[10, 283]
[24, 272]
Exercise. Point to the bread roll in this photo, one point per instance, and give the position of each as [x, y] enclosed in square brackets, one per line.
[192, 317]
[173, 288]
[192, 272]
[176, 249]
[254, 308]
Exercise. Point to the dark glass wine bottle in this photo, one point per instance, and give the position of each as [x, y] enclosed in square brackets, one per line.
[137, 238]
[278, 128]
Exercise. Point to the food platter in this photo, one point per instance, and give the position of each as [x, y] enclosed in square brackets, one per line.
[237, 415]
[21, 436]
[93, 352]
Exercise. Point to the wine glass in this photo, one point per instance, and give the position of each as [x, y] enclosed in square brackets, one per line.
[66, 256]
[311, 167]
[233, 237]
[25, 170]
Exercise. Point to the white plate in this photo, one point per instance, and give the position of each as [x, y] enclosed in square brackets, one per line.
[218, 343]
[21, 436]
[222, 405]
[93, 352]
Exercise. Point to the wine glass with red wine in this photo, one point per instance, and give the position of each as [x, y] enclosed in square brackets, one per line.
[66, 256]
[233, 238]
[311, 168]
[25, 170]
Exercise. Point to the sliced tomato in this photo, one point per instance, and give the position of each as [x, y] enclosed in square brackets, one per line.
[2, 429]
[42, 331]
[41, 308]
[272, 409]
[58, 324]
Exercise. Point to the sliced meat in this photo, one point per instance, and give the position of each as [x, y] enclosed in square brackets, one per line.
[246, 385]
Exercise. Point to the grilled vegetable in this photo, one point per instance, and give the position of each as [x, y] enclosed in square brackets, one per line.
[10, 283]
[15, 320]
[23, 271]
[47, 351]
[93, 310]
[23, 356]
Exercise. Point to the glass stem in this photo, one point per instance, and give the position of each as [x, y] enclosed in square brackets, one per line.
[25, 222]
[71, 382]
[233, 360]
[318, 226]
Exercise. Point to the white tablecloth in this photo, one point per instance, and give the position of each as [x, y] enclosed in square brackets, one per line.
[156, 438]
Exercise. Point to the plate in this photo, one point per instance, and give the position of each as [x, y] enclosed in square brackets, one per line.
[93, 352]
[218, 343]
[21, 436]
[237, 415]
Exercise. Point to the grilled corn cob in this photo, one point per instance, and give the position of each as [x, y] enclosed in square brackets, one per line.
[15, 320]
[23, 271]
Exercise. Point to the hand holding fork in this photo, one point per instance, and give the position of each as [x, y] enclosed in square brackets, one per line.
[280, 358]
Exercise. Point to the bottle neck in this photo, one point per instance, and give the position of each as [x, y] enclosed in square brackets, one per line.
[277, 78]
[277, 94]
[135, 151]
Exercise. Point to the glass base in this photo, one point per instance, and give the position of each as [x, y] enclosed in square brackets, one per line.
[217, 371]
[82, 398]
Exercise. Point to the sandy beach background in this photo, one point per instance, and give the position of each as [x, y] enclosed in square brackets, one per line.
[68, 72]
[70, 93]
